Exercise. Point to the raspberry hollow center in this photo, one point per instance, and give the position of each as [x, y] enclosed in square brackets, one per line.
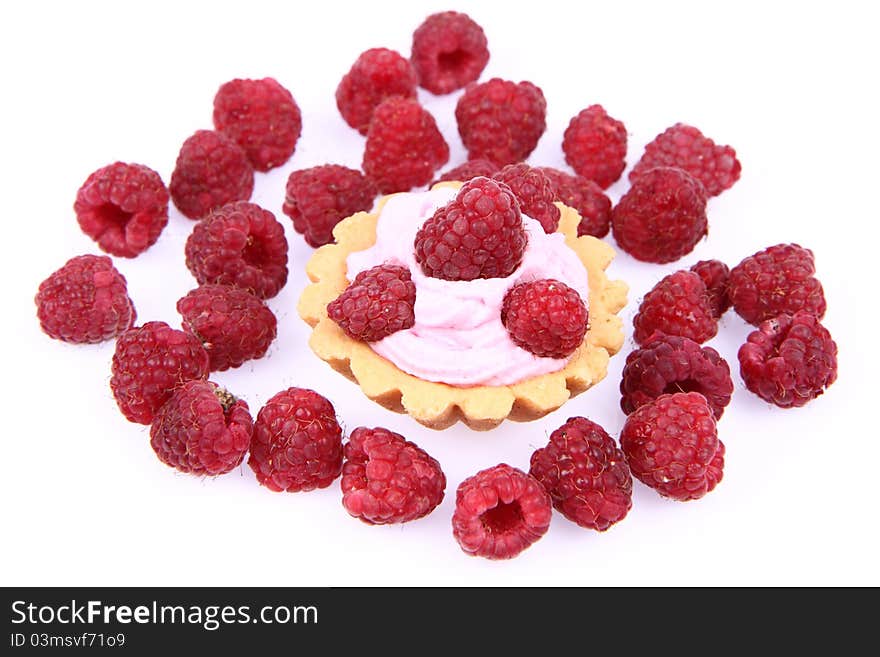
[112, 216]
[454, 60]
[686, 385]
[254, 253]
[502, 518]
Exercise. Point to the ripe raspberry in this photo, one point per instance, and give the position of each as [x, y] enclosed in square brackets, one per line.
[211, 170]
[677, 305]
[479, 234]
[595, 146]
[404, 147]
[297, 443]
[85, 301]
[320, 197]
[150, 362]
[239, 244]
[685, 147]
[202, 430]
[672, 446]
[501, 121]
[262, 117]
[789, 360]
[449, 51]
[661, 217]
[377, 74]
[387, 479]
[123, 207]
[586, 197]
[546, 318]
[774, 281]
[378, 303]
[668, 364]
[585, 474]
[232, 324]
[534, 192]
[467, 170]
[715, 274]
[499, 512]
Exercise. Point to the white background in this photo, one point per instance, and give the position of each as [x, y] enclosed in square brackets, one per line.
[790, 86]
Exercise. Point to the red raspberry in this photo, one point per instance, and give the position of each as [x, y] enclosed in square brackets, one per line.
[297, 443]
[211, 170]
[387, 479]
[789, 360]
[123, 207]
[449, 50]
[661, 217]
[586, 197]
[534, 192]
[470, 169]
[262, 117]
[149, 363]
[546, 318]
[672, 446]
[320, 197]
[378, 303]
[202, 430]
[585, 474]
[85, 301]
[677, 305]
[668, 364]
[239, 244]
[501, 121]
[685, 147]
[377, 74]
[595, 146]
[479, 234]
[499, 512]
[232, 324]
[774, 281]
[715, 274]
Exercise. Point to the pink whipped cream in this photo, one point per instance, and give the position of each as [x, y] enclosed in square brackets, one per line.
[458, 337]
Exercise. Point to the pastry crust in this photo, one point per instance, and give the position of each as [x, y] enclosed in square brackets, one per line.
[437, 405]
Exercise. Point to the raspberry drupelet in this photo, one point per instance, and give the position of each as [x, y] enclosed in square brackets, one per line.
[534, 192]
[715, 275]
[547, 318]
[379, 302]
[595, 146]
[678, 305]
[467, 170]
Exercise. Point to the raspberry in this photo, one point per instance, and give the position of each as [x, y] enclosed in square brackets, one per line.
[85, 301]
[546, 318]
[232, 324]
[387, 479]
[500, 120]
[239, 244]
[668, 364]
[479, 234]
[677, 305]
[404, 147]
[585, 474]
[774, 281]
[789, 360]
[685, 147]
[297, 443]
[661, 217]
[123, 207]
[715, 275]
[468, 170]
[499, 512]
[211, 170]
[377, 74]
[534, 192]
[449, 51]
[672, 446]
[320, 197]
[586, 197]
[595, 146]
[149, 363]
[378, 303]
[262, 117]
[202, 430]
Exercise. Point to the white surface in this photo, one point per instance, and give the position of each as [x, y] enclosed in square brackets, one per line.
[84, 500]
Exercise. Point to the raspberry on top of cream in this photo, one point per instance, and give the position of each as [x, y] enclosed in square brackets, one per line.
[458, 337]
